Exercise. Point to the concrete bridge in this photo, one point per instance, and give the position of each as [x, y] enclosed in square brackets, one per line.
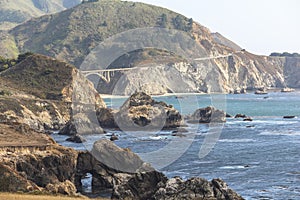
[106, 74]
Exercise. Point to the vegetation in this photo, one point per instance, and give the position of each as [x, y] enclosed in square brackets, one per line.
[15, 12]
[285, 54]
[6, 63]
[72, 34]
[39, 75]
[141, 57]
[10, 196]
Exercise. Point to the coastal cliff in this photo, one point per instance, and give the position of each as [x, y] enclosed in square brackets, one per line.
[39, 91]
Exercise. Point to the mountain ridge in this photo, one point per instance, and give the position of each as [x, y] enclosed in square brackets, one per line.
[72, 34]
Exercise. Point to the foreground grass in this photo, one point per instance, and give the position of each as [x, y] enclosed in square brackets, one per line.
[10, 196]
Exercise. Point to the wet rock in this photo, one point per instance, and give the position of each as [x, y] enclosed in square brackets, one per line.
[105, 117]
[289, 117]
[240, 116]
[76, 139]
[248, 119]
[228, 115]
[113, 137]
[195, 188]
[207, 115]
[140, 186]
[180, 130]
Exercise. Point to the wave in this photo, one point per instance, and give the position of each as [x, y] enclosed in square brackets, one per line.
[284, 132]
[237, 140]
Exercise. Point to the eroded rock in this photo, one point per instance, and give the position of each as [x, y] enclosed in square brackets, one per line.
[207, 115]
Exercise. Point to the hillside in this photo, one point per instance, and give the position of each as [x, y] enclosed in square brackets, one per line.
[18, 11]
[72, 34]
[38, 91]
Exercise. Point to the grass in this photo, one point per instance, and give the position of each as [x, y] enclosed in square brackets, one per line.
[10, 196]
[14, 196]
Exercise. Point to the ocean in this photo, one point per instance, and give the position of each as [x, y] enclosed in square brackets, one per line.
[259, 159]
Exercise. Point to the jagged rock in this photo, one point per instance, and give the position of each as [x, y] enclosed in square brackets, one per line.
[207, 115]
[45, 92]
[228, 115]
[195, 188]
[141, 112]
[76, 139]
[65, 188]
[12, 181]
[240, 115]
[81, 124]
[106, 118]
[140, 186]
[55, 166]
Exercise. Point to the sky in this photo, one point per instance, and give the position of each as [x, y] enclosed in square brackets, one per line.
[259, 26]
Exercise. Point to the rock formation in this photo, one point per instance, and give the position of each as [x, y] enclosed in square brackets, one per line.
[34, 162]
[41, 93]
[39, 164]
[207, 115]
[143, 182]
[141, 112]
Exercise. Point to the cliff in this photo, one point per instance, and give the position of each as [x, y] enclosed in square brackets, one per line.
[40, 91]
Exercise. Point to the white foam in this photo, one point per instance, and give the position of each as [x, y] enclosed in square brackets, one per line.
[233, 167]
[287, 132]
[237, 140]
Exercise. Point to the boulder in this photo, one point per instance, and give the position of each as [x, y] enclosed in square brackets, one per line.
[289, 117]
[207, 115]
[195, 188]
[140, 186]
[76, 139]
[240, 115]
[114, 157]
[105, 117]
[81, 123]
[141, 113]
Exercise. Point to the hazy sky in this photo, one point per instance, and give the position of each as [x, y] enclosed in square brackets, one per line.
[259, 26]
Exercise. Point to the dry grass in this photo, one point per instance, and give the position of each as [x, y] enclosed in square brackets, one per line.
[10, 196]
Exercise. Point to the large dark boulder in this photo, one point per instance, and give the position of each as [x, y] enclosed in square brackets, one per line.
[114, 157]
[105, 117]
[141, 112]
[207, 115]
[81, 124]
[140, 186]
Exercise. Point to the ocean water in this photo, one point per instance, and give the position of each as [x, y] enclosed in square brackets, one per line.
[258, 159]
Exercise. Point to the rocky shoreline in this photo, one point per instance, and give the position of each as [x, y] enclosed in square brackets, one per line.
[120, 172]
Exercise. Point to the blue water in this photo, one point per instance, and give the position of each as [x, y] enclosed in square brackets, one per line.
[258, 159]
